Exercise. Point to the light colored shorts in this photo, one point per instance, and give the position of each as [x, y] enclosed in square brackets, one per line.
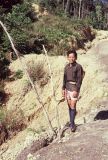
[70, 96]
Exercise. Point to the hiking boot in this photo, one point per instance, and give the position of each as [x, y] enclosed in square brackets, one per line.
[73, 129]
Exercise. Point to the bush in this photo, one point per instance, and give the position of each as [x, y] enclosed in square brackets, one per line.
[38, 73]
[2, 115]
[18, 24]
[3, 95]
[54, 30]
[14, 121]
[59, 29]
[11, 123]
[19, 74]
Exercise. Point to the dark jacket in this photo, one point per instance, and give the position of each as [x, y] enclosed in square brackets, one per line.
[72, 73]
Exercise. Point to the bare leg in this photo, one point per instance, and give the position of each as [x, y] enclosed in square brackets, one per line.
[73, 104]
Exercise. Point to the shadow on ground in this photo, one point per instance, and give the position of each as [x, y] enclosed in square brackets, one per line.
[102, 115]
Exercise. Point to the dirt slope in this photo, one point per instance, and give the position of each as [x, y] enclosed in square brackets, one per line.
[94, 96]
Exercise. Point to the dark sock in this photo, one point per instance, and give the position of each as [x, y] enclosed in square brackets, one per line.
[72, 113]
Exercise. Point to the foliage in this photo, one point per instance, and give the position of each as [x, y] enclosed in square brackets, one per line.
[55, 28]
[18, 24]
[79, 10]
[11, 122]
[52, 27]
[58, 30]
[2, 115]
[15, 122]
[19, 74]
[49, 4]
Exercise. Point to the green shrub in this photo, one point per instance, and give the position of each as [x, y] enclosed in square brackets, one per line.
[18, 24]
[19, 74]
[55, 28]
[2, 115]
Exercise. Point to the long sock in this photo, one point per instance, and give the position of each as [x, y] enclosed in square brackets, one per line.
[72, 116]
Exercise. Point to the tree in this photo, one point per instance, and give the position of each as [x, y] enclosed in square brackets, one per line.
[18, 24]
[67, 6]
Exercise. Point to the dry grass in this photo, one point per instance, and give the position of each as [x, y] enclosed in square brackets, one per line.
[11, 122]
[38, 73]
[3, 95]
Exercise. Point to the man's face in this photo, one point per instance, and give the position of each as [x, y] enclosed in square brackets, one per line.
[71, 58]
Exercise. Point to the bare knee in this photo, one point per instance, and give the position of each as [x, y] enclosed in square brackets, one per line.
[69, 102]
[73, 104]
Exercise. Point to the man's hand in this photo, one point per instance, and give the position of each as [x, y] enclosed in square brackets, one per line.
[64, 93]
[75, 94]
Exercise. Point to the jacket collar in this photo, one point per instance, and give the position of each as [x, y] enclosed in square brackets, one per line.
[72, 64]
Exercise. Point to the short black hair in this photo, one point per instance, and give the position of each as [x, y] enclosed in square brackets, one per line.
[73, 52]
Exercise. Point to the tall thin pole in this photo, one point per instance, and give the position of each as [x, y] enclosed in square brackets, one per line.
[53, 93]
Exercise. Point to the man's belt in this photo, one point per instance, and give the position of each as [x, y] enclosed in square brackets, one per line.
[72, 82]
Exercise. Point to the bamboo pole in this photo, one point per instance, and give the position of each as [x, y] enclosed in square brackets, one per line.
[53, 93]
[31, 82]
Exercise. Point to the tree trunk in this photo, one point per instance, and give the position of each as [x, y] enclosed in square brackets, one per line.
[63, 4]
[82, 13]
[80, 5]
[67, 8]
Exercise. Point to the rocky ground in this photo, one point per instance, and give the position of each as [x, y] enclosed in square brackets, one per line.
[90, 140]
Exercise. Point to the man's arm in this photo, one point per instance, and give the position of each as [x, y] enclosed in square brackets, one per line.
[79, 77]
[64, 83]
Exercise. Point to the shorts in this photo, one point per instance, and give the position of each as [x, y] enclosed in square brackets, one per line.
[70, 96]
[71, 87]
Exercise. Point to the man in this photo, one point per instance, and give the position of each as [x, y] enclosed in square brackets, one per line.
[73, 76]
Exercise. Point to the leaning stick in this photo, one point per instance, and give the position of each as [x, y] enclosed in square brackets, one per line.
[27, 74]
[53, 92]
